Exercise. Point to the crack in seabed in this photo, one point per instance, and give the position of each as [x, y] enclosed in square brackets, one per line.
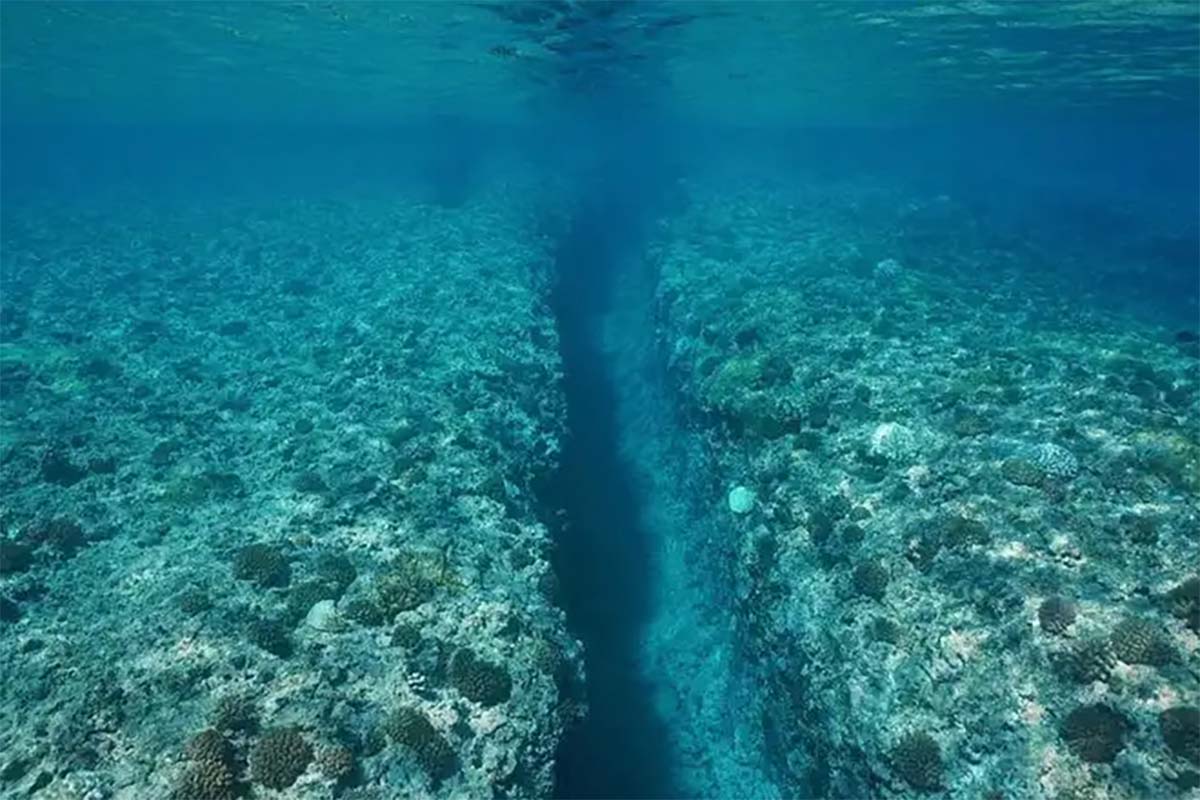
[688, 655]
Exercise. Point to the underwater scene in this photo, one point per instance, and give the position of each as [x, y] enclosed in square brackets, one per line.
[630, 400]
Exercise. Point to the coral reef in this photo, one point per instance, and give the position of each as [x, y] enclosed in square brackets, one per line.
[279, 757]
[245, 439]
[263, 564]
[1004, 473]
[291, 451]
[412, 729]
[1095, 733]
[484, 683]
[917, 758]
[211, 771]
[1180, 727]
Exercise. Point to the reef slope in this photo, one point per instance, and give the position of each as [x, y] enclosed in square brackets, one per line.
[269, 472]
[962, 497]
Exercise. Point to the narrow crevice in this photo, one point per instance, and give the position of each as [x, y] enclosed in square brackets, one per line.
[642, 564]
[603, 555]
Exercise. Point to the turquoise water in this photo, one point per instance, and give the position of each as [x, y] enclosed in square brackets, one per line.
[599, 400]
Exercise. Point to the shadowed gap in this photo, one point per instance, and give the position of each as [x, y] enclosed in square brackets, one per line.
[620, 750]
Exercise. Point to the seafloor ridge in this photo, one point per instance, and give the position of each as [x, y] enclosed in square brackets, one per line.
[963, 504]
[269, 514]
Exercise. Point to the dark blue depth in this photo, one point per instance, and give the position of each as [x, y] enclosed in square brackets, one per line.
[620, 750]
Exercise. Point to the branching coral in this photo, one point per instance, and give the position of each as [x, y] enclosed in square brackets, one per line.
[412, 729]
[1056, 614]
[1142, 641]
[263, 564]
[479, 680]
[1180, 728]
[1095, 733]
[917, 758]
[279, 758]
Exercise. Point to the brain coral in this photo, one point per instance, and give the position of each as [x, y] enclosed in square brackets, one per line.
[1095, 733]
[279, 758]
[335, 761]
[209, 745]
[918, 759]
[205, 780]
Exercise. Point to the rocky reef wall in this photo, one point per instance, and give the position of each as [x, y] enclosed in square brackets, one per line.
[270, 515]
[961, 501]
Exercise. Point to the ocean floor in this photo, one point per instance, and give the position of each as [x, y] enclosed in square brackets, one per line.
[268, 511]
[888, 508]
[963, 502]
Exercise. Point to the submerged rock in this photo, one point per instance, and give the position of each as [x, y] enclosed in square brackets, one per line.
[741, 500]
[323, 616]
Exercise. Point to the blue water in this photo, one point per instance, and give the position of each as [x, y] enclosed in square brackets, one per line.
[401, 284]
